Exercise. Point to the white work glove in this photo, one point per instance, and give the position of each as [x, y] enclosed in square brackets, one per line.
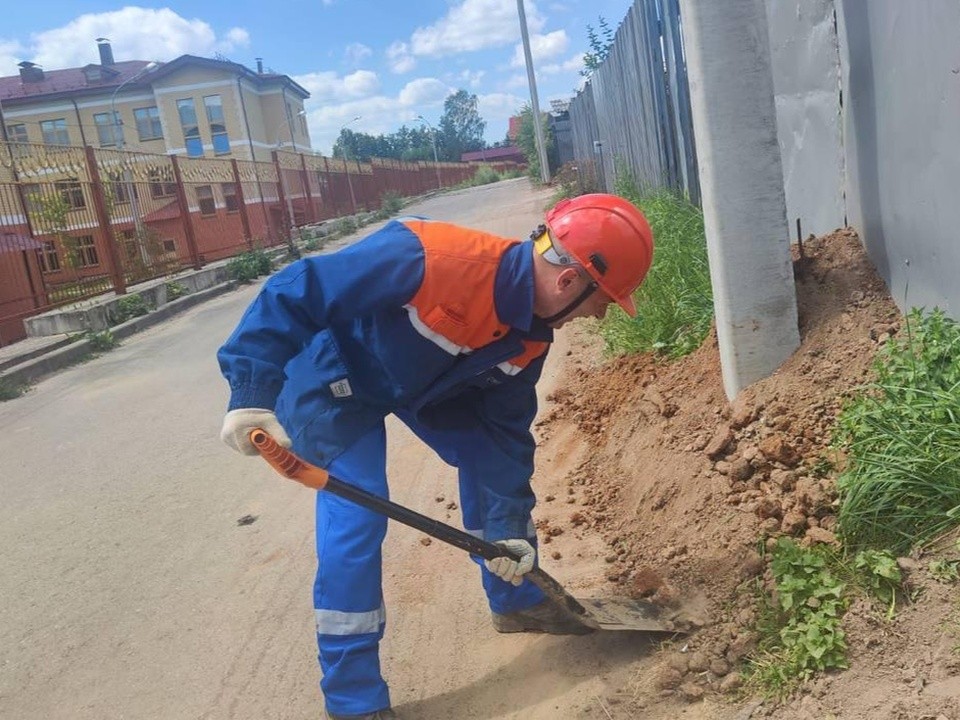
[237, 425]
[513, 570]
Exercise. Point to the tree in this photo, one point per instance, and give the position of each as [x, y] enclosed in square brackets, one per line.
[404, 144]
[527, 141]
[600, 45]
[461, 127]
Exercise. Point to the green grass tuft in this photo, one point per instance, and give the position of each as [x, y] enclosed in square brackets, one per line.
[675, 302]
[901, 483]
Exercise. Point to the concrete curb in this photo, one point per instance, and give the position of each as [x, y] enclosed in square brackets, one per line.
[12, 362]
[70, 352]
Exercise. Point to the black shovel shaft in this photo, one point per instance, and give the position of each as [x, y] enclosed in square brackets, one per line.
[452, 536]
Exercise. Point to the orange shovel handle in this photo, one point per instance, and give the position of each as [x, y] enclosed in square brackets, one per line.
[286, 463]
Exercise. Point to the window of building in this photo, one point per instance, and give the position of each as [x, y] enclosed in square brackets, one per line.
[161, 183]
[218, 125]
[86, 250]
[119, 188]
[55, 132]
[109, 130]
[48, 256]
[191, 130]
[17, 133]
[72, 192]
[229, 191]
[148, 123]
[208, 205]
[169, 246]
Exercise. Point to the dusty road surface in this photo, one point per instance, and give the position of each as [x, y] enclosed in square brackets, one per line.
[129, 589]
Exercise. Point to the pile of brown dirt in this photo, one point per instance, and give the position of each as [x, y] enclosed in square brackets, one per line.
[685, 488]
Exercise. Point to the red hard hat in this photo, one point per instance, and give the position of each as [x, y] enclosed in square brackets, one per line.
[609, 237]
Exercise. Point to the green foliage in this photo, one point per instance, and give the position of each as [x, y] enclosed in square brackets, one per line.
[880, 574]
[101, 341]
[675, 301]
[127, 307]
[901, 482]
[570, 181]
[600, 44]
[527, 141]
[485, 175]
[408, 144]
[461, 126]
[10, 390]
[945, 571]
[391, 202]
[346, 226]
[802, 634]
[250, 265]
[176, 290]
[312, 244]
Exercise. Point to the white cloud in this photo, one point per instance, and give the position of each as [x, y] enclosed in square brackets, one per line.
[11, 52]
[472, 78]
[356, 52]
[499, 106]
[474, 25]
[136, 34]
[423, 91]
[572, 64]
[399, 58]
[327, 86]
[542, 47]
[379, 114]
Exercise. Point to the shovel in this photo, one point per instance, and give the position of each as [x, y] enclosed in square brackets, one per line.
[591, 614]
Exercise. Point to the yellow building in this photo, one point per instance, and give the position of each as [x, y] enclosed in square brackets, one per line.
[191, 106]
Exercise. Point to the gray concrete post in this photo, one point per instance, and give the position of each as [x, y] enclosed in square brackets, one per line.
[748, 241]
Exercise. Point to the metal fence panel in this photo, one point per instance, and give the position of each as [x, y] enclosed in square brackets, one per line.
[633, 113]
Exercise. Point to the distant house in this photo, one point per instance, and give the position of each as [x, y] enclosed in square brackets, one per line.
[193, 106]
[510, 153]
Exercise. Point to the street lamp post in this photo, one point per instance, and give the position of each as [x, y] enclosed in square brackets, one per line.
[118, 141]
[353, 199]
[286, 192]
[433, 137]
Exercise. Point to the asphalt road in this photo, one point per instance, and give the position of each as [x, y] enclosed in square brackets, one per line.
[130, 590]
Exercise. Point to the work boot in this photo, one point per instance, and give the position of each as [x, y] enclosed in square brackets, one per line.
[543, 617]
[385, 714]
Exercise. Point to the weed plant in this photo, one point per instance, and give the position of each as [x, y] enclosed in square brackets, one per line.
[176, 290]
[128, 307]
[800, 628]
[390, 203]
[675, 302]
[901, 483]
[250, 265]
[101, 341]
[10, 390]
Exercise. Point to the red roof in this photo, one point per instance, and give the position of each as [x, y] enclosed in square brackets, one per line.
[12, 87]
[501, 154]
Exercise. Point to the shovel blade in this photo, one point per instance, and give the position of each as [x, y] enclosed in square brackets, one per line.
[626, 614]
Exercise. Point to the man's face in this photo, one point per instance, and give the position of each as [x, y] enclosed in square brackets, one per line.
[569, 287]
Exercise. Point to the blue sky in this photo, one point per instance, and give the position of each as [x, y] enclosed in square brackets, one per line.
[384, 60]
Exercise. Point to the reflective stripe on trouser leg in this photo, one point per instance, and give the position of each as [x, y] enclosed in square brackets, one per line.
[347, 592]
[502, 596]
